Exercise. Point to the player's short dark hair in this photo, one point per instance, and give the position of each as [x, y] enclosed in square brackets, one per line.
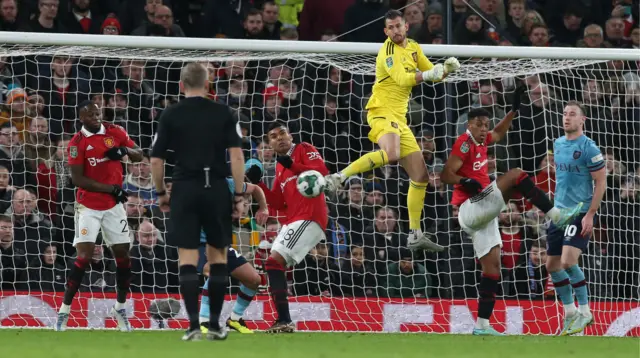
[537, 26]
[277, 124]
[392, 15]
[84, 104]
[576, 104]
[5, 218]
[477, 113]
[268, 2]
[253, 12]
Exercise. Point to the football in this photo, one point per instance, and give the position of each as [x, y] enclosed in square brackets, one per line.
[311, 183]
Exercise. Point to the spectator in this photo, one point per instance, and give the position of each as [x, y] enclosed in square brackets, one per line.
[30, 228]
[470, 30]
[513, 233]
[140, 97]
[460, 9]
[267, 157]
[47, 19]
[138, 181]
[15, 111]
[111, 26]
[46, 273]
[289, 34]
[614, 31]
[531, 277]
[35, 105]
[319, 15]
[382, 241]
[517, 10]
[375, 195]
[635, 37]
[539, 36]
[53, 176]
[102, 277]
[414, 17]
[531, 18]
[408, 279]
[6, 190]
[360, 13]
[37, 145]
[134, 207]
[593, 37]
[328, 36]
[434, 23]
[224, 18]
[436, 202]
[357, 278]
[338, 240]
[81, 20]
[351, 213]
[316, 275]
[12, 156]
[152, 264]
[487, 98]
[9, 20]
[569, 31]
[160, 25]
[13, 260]
[270, 14]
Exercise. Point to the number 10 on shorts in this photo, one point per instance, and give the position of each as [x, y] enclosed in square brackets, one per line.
[570, 231]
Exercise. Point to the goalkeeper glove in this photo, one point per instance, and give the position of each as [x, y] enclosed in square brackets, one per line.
[119, 194]
[472, 186]
[517, 97]
[451, 65]
[116, 153]
[435, 74]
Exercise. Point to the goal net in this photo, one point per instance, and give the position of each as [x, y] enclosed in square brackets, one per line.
[362, 278]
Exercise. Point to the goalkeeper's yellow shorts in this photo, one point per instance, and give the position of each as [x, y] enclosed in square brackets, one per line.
[382, 121]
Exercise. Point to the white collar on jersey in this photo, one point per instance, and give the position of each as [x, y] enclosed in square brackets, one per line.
[88, 134]
[473, 139]
[290, 151]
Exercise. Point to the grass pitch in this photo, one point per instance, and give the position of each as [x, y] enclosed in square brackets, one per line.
[159, 344]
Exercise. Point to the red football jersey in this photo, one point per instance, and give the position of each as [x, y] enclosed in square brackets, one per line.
[474, 164]
[89, 149]
[285, 195]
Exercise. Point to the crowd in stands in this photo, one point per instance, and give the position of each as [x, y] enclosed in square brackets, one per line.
[365, 252]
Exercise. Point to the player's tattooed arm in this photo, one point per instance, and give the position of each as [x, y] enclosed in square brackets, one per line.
[81, 181]
[449, 176]
[135, 153]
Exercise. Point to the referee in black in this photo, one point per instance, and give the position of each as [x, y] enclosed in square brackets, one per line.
[200, 132]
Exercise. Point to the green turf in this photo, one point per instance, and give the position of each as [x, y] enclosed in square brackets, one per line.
[148, 344]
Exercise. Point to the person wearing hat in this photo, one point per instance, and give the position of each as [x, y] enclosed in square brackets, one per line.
[375, 194]
[350, 210]
[408, 279]
[15, 111]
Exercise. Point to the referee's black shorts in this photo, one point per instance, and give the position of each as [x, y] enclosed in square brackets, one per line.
[194, 207]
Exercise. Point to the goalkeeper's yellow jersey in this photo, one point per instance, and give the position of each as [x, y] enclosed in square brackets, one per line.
[396, 68]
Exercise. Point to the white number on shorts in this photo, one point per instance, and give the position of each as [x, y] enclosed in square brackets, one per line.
[125, 227]
[234, 251]
[570, 231]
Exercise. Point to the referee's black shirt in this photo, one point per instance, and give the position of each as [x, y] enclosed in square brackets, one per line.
[199, 131]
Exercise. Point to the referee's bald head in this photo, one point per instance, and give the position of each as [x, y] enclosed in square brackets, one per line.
[194, 76]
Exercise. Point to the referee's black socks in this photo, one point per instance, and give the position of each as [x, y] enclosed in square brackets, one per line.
[278, 288]
[218, 281]
[528, 189]
[190, 290]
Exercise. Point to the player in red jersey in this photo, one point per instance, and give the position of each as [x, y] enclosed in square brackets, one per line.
[306, 218]
[94, 159]
[481, 200]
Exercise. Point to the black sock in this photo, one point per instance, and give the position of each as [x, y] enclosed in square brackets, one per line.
[75, 279]
[217, 289]
[535, 195]
[278, 290]
[190, 290]
[488, 289]
[123, 278]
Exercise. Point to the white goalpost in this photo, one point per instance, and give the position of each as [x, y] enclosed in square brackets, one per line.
[320, 90]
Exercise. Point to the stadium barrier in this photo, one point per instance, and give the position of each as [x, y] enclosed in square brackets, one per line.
[330, 314]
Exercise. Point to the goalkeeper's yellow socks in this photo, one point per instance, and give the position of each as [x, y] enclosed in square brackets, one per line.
[415, 203]
[366, 163]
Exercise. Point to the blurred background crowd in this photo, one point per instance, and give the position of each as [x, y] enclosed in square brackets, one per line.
[365, 253]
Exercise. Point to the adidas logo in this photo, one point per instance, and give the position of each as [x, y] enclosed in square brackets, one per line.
[478, 155]
[89, 147]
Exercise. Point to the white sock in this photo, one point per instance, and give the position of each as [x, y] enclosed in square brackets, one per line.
[204, 320]
[584, 310]
[553, 214]
[119, 306]
[482, 323]
[570, 310]
[234, 316]
[64, 308]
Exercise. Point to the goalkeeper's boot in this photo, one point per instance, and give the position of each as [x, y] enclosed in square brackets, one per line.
[239, 325]
[566, 215]
[217, 334]
[422, 241]
[334, 182]
[61, 323]
[582, 322]
[282, 327]
[204, 326]
[568, 321]
[122, 319]
[487, 331]
[192, 335]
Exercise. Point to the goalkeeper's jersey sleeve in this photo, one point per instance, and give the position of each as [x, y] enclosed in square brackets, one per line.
[396, 68]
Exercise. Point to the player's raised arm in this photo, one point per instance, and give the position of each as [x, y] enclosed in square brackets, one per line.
[501, 129]
[451, 167]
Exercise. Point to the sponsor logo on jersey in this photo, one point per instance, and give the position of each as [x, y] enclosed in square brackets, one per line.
[577, 154]
[479, 165]
[564, 167]
[73, 151]
[389, 62]
[284, 183]
[109, 142]
[464, 148]
[95, 161]
[415, 56]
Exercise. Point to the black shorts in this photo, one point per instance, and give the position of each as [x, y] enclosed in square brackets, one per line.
[194, 207]
[557, 238]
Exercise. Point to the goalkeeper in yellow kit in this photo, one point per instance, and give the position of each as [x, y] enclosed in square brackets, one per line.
[400, 66]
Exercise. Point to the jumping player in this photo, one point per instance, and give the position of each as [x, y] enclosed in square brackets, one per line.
[94, 159]
[306, 218]
[481, 201]
[579, 164]
[239, 269]
[400, 66]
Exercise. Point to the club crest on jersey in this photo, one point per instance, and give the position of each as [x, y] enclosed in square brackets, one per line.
[394, 125]
[415, 56]
[577, 154]
[389, 62]
[464, 148]
[109, 142]
[73, 151]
